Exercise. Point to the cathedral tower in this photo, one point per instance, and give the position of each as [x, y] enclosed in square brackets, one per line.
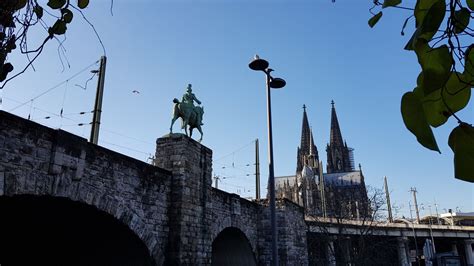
[338, 154]
[307, 153]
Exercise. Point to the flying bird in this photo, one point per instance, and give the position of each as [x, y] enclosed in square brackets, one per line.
[135, 91]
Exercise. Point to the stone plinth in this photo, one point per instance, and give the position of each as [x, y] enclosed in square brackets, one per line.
[190, 163]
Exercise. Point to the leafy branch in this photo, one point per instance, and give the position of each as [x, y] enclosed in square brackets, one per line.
[17, 17]
[443, 45]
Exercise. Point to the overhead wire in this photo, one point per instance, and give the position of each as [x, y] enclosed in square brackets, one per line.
[127, 148]
[62, 104]
[235, 151]
[242, 177]
[55, 86]
[63, 115]
[43, 110]
[125, 136]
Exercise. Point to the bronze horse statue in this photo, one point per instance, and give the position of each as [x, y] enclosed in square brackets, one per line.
[190, 116]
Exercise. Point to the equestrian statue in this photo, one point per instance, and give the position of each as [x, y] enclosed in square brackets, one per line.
[190, 114]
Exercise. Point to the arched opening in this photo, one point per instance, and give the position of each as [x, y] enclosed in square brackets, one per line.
[56, 231]
[231, 247]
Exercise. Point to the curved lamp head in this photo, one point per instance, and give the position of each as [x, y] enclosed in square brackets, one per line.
[258, 64]
[277, 83]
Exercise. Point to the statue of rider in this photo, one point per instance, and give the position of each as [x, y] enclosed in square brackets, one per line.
[188, 101]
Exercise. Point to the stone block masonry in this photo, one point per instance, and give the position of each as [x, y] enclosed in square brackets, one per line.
[189, 213]
[170, 205]
[36, 160]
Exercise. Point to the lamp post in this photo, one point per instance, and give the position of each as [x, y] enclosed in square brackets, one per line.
[259, 64]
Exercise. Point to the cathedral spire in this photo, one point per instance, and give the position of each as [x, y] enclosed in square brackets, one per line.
[338, 154]
[305, 138]
[305, 132]
[307, 146]
[335, 135]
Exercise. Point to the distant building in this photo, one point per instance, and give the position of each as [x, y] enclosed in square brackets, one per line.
[340, 192]
[458, 218]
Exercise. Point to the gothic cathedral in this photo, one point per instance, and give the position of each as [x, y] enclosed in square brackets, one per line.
[340, 192]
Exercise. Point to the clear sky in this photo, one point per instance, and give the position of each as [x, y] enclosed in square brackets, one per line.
[325, 51]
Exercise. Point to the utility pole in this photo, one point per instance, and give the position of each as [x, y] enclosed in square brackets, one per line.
[414, 234]
[413, 190]
[387, 195]
[257, 171]
[431, 230]
[98, 102]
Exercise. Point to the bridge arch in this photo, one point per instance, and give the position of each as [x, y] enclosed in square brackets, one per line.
[59, 231]
[232, 247]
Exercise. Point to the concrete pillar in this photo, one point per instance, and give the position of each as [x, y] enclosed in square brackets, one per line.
[331, 253]
[292, 234]
[454, 249]
[468, 250]
[403, 257]
[191, 165]
[346, 247]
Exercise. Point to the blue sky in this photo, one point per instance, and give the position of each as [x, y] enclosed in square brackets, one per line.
[325, 51]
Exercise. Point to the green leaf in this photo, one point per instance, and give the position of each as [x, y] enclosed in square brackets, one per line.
[436, 65]
[418, 91]
[410, 46]
[421, 9]
[59, 27]
[20, 4]
[469, 64]
[461, 141]
[67, 15]
[415, 120]
[461, 19]
[456, 95]
[427, 28]
[470, 4]
[82, 3]
[388, 3]
[56, 4]
[433, 19]
[38, 11]
[373, 20]
[419, 80]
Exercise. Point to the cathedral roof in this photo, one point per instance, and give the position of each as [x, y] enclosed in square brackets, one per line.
[335, 179]
[281, 180]
[344, 179]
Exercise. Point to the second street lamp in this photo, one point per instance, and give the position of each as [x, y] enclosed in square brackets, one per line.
[259, 64]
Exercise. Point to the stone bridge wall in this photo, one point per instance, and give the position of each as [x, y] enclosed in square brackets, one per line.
[291, 228]
[171, 206]
[230, 210]
[37, 160]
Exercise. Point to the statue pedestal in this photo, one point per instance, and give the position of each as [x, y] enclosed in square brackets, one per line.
[173, 135]
[191, 166]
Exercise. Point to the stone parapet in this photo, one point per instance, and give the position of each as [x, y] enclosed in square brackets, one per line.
[291, 234]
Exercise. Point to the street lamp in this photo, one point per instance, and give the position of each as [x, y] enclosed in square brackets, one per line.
[259, 64]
